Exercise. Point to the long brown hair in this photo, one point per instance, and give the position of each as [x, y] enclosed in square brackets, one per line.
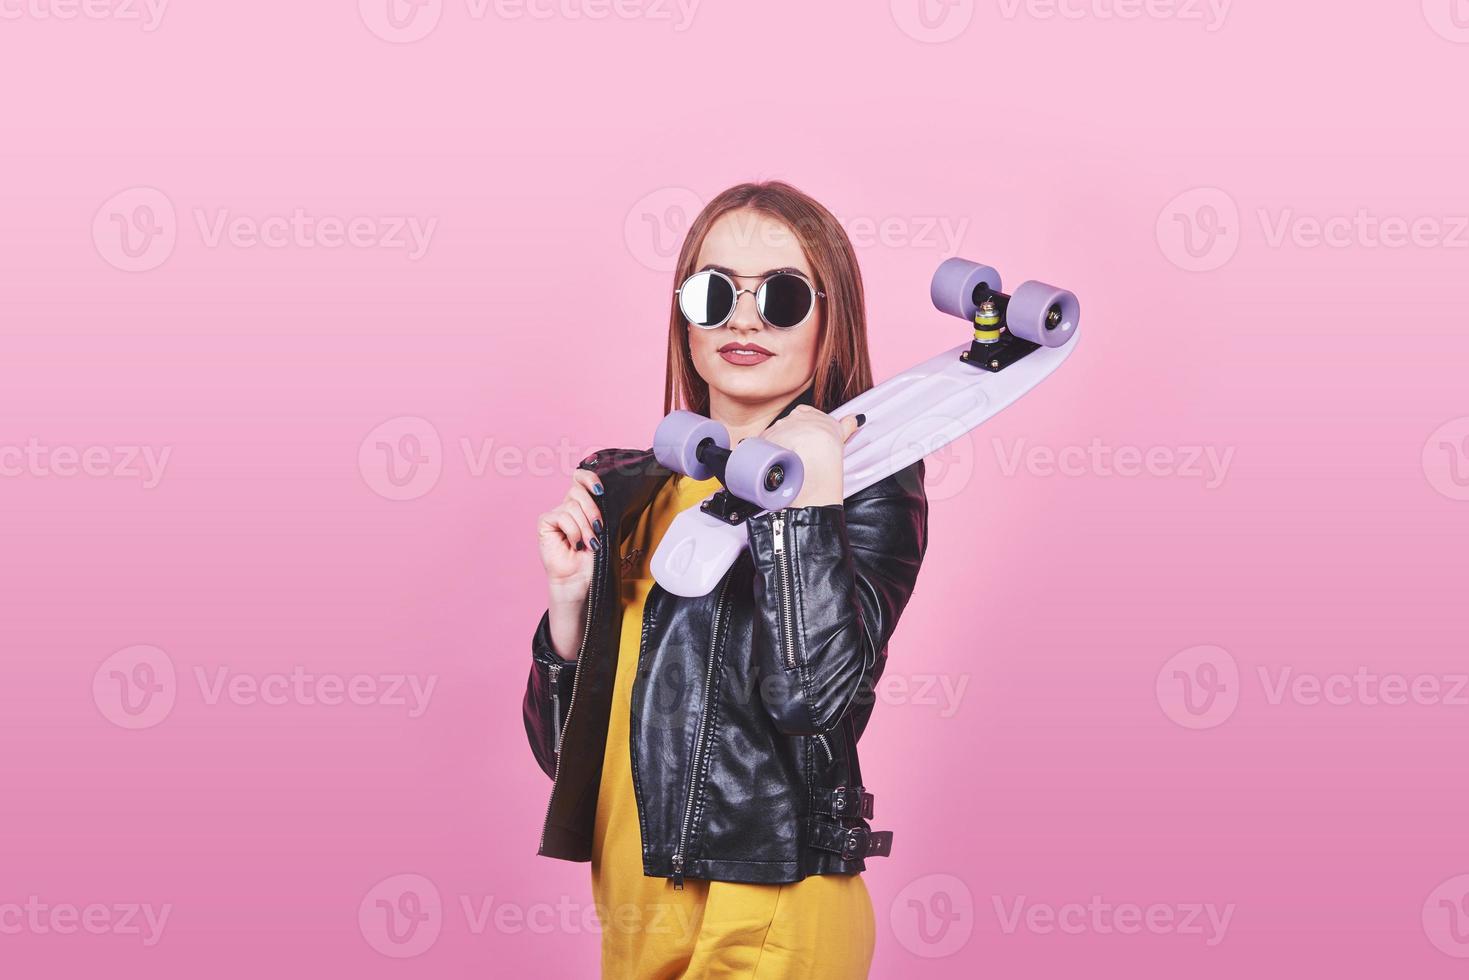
[843, 369]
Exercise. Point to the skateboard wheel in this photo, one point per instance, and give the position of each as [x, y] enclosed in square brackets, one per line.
[678, 437]
[1043, 314]
[764, 474]
[954, 283]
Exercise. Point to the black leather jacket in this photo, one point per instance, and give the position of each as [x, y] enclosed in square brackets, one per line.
[759, 782]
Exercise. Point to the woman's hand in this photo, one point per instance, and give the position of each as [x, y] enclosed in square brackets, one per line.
[820, 441]
[568, 539]
[567, 535]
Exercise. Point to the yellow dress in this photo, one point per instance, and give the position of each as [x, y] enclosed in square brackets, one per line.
[820, 927]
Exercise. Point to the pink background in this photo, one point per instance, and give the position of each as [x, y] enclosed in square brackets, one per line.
[1167, 168]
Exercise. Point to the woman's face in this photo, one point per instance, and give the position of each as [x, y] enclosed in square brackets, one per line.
[745, 360]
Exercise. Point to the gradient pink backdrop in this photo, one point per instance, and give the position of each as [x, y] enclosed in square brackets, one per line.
[1168, 167]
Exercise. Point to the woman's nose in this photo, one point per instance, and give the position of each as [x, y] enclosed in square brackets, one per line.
[745, 316]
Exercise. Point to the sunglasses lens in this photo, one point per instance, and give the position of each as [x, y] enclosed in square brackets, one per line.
[705, 299]
[785, 300]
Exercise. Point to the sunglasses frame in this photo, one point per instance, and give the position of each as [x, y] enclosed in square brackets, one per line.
[738, 292]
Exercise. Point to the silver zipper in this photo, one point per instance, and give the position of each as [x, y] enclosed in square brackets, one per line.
[688, 814]
[825, 747]
[783, 575]
[555, 670]
[586, 634]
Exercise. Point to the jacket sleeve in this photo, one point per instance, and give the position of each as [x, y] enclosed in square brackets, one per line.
[547, 695]
[830, 584]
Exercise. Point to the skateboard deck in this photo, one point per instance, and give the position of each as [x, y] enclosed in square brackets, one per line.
[909, 417]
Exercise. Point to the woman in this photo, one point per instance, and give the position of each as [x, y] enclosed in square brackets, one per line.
[704, 750]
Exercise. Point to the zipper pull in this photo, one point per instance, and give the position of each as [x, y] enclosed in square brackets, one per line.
[778, 525]
[678, 872]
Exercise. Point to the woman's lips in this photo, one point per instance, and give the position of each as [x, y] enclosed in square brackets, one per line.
[744, 354]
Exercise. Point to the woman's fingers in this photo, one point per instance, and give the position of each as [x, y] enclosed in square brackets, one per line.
[556, 524]
[587, 480]
[851, 424]
[589, 513]
[583, 537]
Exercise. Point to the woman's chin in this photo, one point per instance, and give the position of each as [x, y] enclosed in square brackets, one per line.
[746, 383]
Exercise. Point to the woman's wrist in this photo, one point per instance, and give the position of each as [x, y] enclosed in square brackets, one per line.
[817, 496]
[566, 609]
[571, 592]
[822, 484]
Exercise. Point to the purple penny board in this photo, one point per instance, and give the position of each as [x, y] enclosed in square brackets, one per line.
[909, 417]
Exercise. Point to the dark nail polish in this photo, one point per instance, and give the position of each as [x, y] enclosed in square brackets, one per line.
[596, 545]
[597, 489]
[581, 546]
[596, 527]
[861, 418]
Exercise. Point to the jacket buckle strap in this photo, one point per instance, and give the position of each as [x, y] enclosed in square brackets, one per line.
[860, 842]
[847, 801]
[851, 842]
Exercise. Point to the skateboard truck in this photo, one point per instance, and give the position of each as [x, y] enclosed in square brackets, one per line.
[757, 474]
[728, 508]
[725, 505]
[1006, 327]
[994, 348]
